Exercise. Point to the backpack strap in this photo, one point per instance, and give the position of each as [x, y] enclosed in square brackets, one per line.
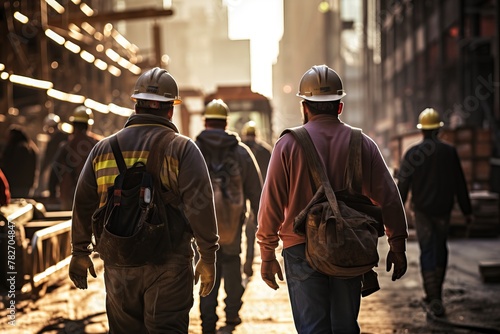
[352, 176]
[117, 152]
[317, 169]
[122, 168]
[153, 165]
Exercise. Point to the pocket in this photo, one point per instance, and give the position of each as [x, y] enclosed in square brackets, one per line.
[296, 266]
[174, 270]
[134, 250]
[97, 221]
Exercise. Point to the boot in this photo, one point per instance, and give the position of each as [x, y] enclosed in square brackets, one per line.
[440, 274]
[432, 290]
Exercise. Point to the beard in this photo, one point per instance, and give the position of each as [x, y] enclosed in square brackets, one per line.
[305, 116]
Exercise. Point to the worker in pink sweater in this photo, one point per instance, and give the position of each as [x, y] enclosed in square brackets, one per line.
[321, 303]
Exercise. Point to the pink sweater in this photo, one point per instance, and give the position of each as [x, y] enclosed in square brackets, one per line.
[287, 189]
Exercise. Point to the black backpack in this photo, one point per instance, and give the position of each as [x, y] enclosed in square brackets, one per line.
[140, 221]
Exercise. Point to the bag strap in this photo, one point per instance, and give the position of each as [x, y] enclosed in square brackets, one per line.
[122, 168]
[353, 174]
[117, 152]
[153, 165]
[317, 169]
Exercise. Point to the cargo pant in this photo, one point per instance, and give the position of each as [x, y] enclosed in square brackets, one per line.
[150, 298]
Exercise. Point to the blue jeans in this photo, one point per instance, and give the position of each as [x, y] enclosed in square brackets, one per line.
[432, 234]
[320, 303]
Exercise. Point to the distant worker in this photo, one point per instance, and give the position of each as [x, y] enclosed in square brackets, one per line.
[4, 190]
[56, 137]
[260, 148]
[19, 162]
[155, 297]
[431, 170]
[322, 303]
[71, 156]
[235, 179]
[262, 152]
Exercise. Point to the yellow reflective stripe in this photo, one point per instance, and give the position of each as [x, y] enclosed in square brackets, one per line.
[110, 165]
[130, 161]
[106, 180]
[99, 165]
[173, 165]
[139, 155]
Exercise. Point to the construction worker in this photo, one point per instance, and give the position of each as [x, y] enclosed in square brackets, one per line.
[18, 162]
[322, 303]
[155, 297]
[55, 139]
[432, 172]
[235, 179]
[70, 157]
[262, 152]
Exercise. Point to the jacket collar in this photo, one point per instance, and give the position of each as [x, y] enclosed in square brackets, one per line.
[145, 119]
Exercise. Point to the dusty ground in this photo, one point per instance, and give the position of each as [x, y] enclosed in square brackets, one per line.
[394, 309]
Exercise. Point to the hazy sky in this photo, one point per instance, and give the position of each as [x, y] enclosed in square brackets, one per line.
[261, 21]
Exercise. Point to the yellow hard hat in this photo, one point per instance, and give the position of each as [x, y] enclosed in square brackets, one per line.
[216, 109]
[429, 119]
[249, 129]
[82, 114]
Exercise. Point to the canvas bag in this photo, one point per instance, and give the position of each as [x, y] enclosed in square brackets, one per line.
[340, 241]
[131, 228]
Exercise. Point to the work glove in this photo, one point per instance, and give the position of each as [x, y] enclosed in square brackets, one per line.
[268, 270]
[247, 268]
[78, 270]
[207, 273]
[400, 265]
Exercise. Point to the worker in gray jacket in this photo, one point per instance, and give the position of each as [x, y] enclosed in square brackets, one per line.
[156, 297]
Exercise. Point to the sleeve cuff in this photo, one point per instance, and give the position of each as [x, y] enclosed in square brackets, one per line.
[210, 259]
[267, 255]
[398, 246]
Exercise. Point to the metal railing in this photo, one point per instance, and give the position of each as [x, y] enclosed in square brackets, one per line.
[50, 252]
[39, 241]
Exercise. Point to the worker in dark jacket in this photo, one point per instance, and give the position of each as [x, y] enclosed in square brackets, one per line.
[431, 170]
[155, 297]
[262, 152]
[18, 162]
[70, 157]
[55, 138]
[236, 176]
